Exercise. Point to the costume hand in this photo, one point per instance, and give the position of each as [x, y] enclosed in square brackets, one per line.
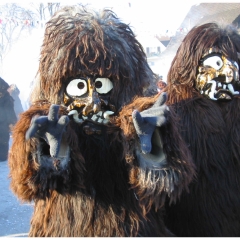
[146, 121]
[50, 128]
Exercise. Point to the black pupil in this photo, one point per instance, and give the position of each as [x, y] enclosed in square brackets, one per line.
[80, 85]
[98, 84]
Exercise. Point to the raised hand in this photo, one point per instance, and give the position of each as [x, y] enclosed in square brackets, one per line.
[146, 121]
[50, 128]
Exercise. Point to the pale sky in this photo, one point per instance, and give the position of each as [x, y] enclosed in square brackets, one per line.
[146, 15]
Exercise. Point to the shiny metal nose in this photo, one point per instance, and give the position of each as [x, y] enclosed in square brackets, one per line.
[93, 102]
[228, 71]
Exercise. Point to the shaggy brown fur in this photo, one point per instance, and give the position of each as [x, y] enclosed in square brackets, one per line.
[104, 189]
[79, 42]
[27, 182]
[211, 131]
[152, 184]
[92, 198]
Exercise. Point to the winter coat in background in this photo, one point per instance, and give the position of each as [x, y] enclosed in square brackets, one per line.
[7, 118]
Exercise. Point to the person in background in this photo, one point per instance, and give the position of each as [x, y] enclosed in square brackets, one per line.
[160, 84]
[7, 119]
[14, 92]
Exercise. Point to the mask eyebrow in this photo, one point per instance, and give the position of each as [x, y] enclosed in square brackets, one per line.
[211, 55]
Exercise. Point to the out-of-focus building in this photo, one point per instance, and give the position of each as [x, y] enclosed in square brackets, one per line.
[153, 49]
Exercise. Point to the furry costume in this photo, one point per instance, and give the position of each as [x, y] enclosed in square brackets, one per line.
[76, 153]
[7, 119]
[203, 90]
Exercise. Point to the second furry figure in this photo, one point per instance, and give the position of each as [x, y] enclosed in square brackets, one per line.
[204, 92]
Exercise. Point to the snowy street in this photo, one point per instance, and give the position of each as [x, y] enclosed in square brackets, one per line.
[15, 216]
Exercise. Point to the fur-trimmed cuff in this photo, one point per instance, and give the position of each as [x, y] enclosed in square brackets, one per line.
[156, 180]
[52, 174]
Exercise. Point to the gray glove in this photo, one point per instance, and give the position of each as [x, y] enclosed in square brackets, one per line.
[50, 128]
[146, 121]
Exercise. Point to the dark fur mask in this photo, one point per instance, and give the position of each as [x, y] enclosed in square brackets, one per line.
[80, 43]
[185, 67]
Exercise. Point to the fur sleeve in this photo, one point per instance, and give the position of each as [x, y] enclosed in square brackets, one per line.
[31, 178]
[155, 178]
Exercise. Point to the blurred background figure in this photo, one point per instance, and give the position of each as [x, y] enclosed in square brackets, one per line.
[7, 119]
[160, 84]
[14, 92]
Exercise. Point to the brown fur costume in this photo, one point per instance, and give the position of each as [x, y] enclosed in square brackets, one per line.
[99, 187]
[211, 130]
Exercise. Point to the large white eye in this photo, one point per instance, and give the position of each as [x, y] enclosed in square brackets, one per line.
[214, 62]
[103, 85]
[76, 87]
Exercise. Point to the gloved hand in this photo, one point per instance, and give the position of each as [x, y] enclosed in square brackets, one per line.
[50, 128]
[146, 121]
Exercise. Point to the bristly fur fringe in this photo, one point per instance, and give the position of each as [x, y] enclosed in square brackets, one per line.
[153, 182]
